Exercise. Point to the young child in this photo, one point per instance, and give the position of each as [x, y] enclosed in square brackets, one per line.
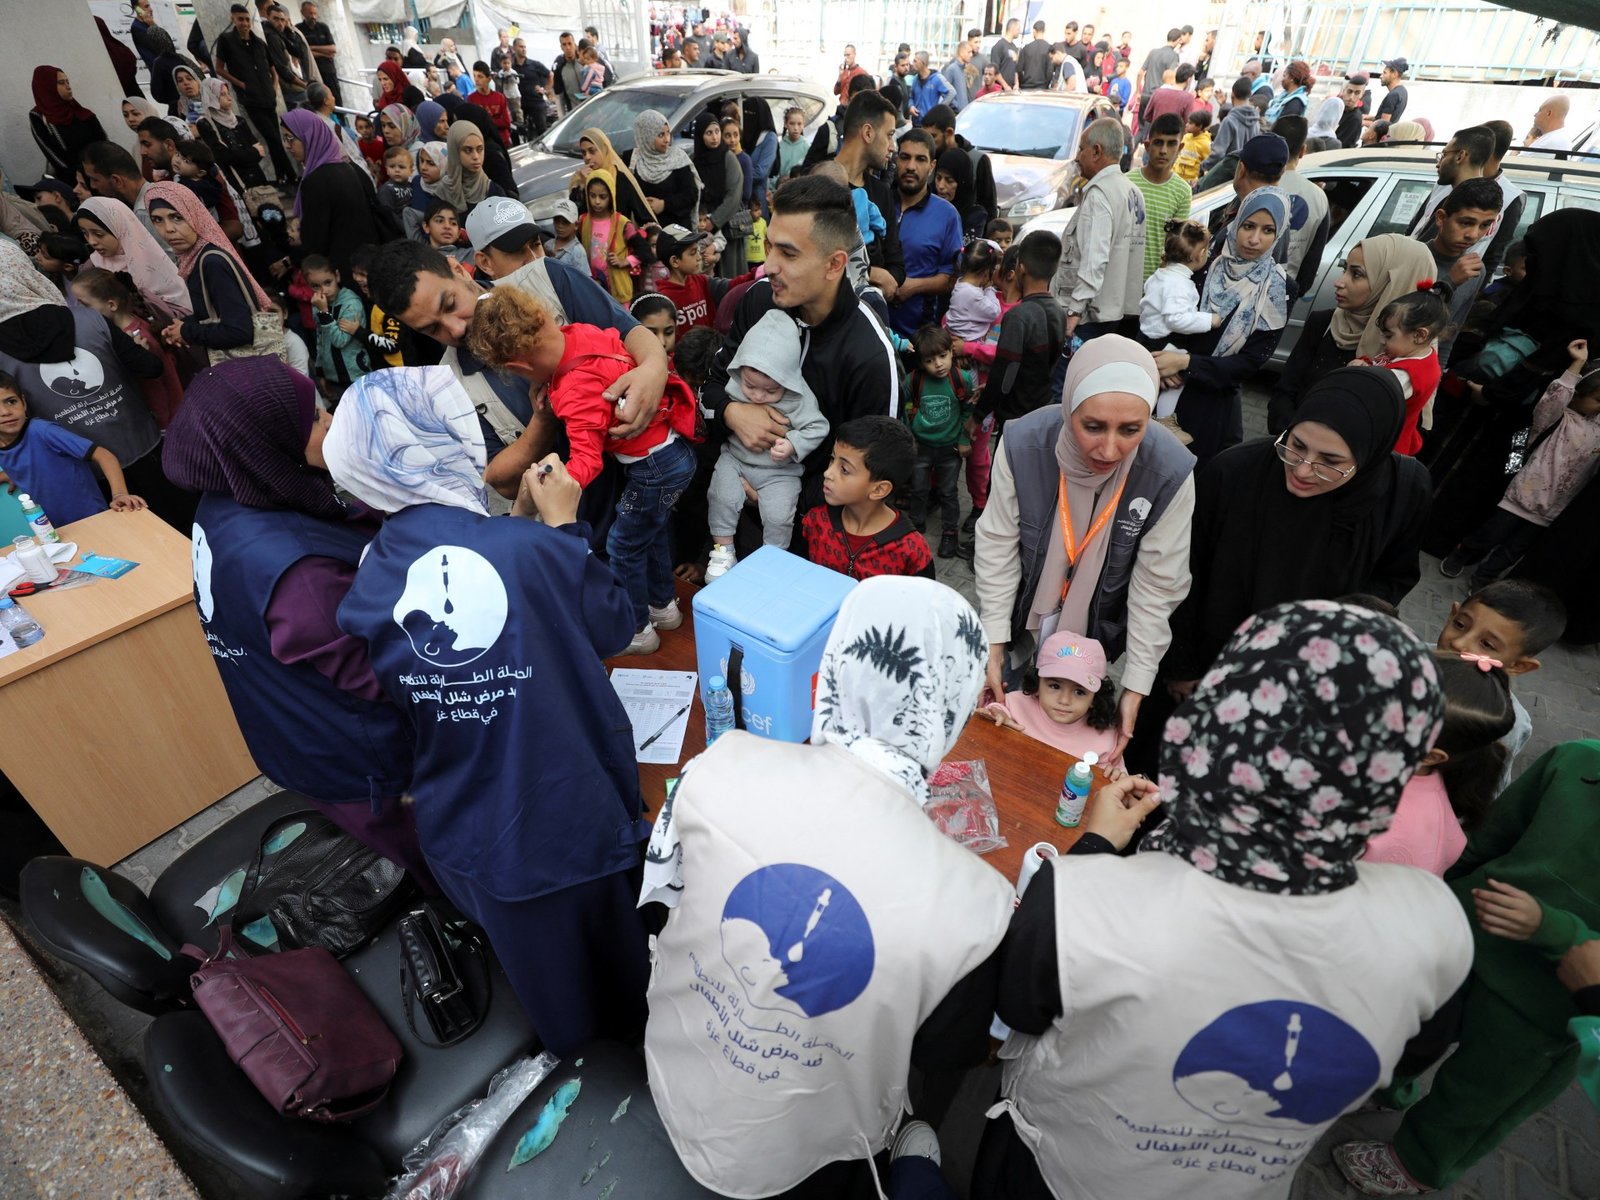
[1510, 621]
[1525, 881]
[616, 249]
[1562, 456]
[755, 248]
[1516, 261]
[566, 246]
[443, 229]
[938, 408]
[1065, 699]
[382, 330]
[593, 79]
[395, 191]
[59, 257]
[1000, 232]
[694, 293]
[371, 143]
[51, 463]
[979, 353]
[577, 363]
[974, 303]
[194, 166]
[856, 531]
[1412, 326]
[1455, 784]
[110, 295]
[1196, 146]
[1032, 334]
[660, 316]
[485, 97]
[764, 370]
[341, 329]
[1171, 304]
[695, 351]
[869, 221]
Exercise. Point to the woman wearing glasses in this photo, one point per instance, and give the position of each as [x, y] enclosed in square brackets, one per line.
[1327, 510]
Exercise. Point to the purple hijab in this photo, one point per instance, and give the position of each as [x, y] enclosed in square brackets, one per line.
[322, 147]
[242, 431]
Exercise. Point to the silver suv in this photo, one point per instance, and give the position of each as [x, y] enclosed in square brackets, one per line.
[542, 167]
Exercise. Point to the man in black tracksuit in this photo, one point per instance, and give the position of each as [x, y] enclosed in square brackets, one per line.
[845, 353]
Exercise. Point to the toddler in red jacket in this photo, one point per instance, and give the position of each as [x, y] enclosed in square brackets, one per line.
[574, 365]
[1411, 328]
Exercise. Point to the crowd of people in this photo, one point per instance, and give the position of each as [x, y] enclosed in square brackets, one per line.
[340, 380]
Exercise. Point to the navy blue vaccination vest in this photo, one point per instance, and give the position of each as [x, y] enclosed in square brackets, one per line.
[304, 732]
[489, 632]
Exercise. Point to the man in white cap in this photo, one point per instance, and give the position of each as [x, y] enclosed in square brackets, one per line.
[504, 237]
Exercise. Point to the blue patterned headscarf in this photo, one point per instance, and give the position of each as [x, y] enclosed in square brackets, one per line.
[1294, 748]
[1252, 295]
[407, 436]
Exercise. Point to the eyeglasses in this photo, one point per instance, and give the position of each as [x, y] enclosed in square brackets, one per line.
[1321, 470]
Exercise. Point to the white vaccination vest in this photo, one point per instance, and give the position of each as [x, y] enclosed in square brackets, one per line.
[823, 918]
[1210, 1034]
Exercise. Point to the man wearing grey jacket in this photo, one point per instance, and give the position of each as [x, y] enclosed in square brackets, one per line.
[1241, 123]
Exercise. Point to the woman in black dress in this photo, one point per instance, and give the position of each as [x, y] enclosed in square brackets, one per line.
[671, 187]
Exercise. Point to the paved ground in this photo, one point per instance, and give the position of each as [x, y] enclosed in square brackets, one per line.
[1556, 1156]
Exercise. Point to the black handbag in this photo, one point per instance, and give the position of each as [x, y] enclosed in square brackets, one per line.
[323, 888]
[444, 973]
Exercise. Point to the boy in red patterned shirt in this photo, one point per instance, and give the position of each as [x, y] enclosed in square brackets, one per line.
[856, 532]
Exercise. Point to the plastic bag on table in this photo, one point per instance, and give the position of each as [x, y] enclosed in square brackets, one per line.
[962, 806]
[440, 1163]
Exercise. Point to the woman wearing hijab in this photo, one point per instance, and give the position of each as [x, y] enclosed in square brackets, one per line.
[1251, 288]
[952, 181]
[190, 106]
[665, 174]
[163, 81]
[1303, 971]
[1407, 132]
[599, 155]
[391, 83]
[232, 143]
[1098, 469]
[276, 551]
[119, 242]
[464, 182]
[496, 161]
[721, 185]
[82, 372]
[1327, 510]
[223, 296]
[843, 946]
[136, 110]
[434, 156]
[525, 788]
[61, 126]
[399, 127]
[433, 122]
[1376, 271]
[124, 63]
[336, 200]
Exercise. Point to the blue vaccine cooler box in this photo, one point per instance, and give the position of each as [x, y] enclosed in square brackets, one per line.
[776, 611]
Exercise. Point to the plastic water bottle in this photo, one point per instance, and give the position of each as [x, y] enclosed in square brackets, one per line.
[38, 524]
[14, 619]
[1075, 790]
[719, 708]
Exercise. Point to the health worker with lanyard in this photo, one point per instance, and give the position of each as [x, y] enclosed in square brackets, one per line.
[1087, 525]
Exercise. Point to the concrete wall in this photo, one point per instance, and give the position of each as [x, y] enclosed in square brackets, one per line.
[62, 34]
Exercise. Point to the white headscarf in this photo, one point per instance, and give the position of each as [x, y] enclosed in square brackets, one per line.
[406, 436]
[211, 103]
[900, 676]
[22, 287]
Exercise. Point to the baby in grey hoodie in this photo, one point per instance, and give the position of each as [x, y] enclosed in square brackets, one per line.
[764, 370]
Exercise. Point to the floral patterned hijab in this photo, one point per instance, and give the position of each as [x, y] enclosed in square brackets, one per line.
[900, 676]
[1294, 748]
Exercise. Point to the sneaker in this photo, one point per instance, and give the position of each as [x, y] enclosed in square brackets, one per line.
[949, 544]
[1374, 1169]
[971, 523]
[917, 1139]
[1454, 563]
[667, 616]
[646, 641]
[1178, 431]
[722, 560]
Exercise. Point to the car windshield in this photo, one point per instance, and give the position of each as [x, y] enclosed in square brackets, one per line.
[613, 111]
[1036, 130]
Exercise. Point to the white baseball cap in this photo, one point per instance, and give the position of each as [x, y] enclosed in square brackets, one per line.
[500, 222]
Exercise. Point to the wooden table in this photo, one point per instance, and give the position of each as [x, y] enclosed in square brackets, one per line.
[1025, 775]
[117, 726]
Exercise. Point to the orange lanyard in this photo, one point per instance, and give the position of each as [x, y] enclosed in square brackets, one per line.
[1064, 509]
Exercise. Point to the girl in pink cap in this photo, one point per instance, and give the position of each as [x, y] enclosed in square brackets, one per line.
[1064, 701]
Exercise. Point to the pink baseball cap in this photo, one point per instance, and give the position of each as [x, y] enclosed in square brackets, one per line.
[1075, 657]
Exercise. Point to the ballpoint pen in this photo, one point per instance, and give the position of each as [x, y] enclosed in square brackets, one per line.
[645, 745]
